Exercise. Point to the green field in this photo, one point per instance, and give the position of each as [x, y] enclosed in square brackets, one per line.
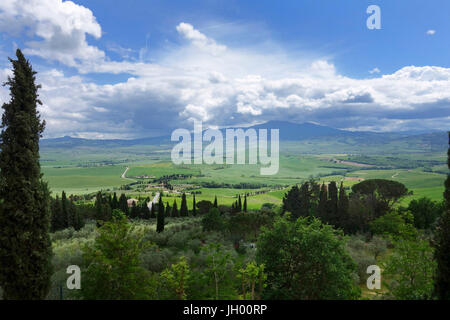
[76, 180]
[423, 184]
[81, 170]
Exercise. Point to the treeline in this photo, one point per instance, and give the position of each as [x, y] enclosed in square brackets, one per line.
[392, 162]
[242, 185]
[354, 212]
[65, 214]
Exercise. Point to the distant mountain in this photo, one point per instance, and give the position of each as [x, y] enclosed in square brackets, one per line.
[288, 132]
[295, 131]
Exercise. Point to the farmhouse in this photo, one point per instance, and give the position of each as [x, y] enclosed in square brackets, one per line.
[130, 202]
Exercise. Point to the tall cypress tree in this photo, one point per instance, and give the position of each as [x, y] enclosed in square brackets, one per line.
[215, 202]
[245, 203]
[78, 217]
[65, 210]
[114, 202]
[153, 211]
[25, 250]
[332, 210]
[343, 204]
[160, 217]
[322, 206]
[103, 211]
[442, 244]
[168, 209]
[123, 204]
[194, 209]
[174, 209]
[183, 208]
[57, 219]
[291, 201]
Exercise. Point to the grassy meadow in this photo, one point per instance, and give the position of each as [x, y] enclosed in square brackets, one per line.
[89, 169]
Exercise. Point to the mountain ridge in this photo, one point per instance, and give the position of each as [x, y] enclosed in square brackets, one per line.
[289, 131]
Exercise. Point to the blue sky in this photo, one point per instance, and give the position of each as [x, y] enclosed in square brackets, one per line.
[134, 68]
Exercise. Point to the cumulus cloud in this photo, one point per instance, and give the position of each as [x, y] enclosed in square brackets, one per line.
[431, 32]
[60, 26]
[411, 98]
[206, 80]
[198, 39]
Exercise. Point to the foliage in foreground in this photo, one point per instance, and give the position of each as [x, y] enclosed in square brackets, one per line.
[113, 267]
[306, 259]
[410, 269]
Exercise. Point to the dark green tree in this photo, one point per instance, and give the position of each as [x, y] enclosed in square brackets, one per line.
[168, 209]
[305, 259]
[382, 194]
[78, 217]
[332, 204]
[245, 203]
[65, 211]
[160, 217]
[442, 245]
[103, 211]
[215, 202]
[298, 201]
[25, 248]
[425, 212]
[183, 208]
[57, 219]
[114, 202]
[239, 204]
[213, 220]
[204, 206]
[123, 204]
[343, 204]
[291, 201]
[194, 208]
[134, 212]
[175, 213]
[112, 267]
[321, 211]
[153, 211]
[145, 211]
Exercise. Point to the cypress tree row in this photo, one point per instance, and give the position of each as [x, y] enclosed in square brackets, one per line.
[25, 250]
[442, 244]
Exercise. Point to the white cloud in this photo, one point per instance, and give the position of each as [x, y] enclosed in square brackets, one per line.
[412, 97]
[61, 27]
[198, 39]
[374, 70]
[431, 32]
[206, 80]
